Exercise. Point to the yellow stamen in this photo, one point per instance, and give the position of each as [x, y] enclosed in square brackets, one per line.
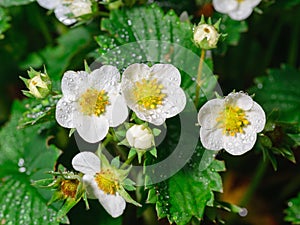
[148, 93]
[107, 182]
[93, 102]
[69, 187]
[232, 120]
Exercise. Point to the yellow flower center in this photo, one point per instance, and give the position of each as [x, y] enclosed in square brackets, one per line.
[93, 102]
[148, 93]
[69, 187]
[232, 120]
[107, 182]
[239, 1]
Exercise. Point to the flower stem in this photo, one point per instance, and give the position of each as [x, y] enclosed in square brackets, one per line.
[128, 161]
[259, 173]
[257, 177]
[199, 75]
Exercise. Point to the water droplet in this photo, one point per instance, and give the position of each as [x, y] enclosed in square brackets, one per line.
[21, 162]
[243, 212]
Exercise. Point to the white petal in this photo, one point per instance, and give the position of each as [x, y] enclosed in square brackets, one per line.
[242, 13]
[241, 143]
[151, 116]
[173, 103]
[135, 72]
[239, 99]
[225, 6]
[256, 117]
[209, 112]
[86, 162]
[48, 4]
[166, 72]
[62, 14]
[113, 204]
[252, 3]
[117, 111]
[64, 113]
[92, 128]
[211, 139]
[73, 83]
[143, 142]
[90, 186]
[104, 78]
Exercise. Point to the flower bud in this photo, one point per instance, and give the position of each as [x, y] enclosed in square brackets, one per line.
[140, 137]
[206, 36]
[39, 84]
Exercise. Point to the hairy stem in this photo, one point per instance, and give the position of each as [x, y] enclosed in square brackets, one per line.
[199, 76]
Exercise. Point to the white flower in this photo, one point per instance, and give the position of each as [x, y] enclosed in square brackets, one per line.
[91, 103]
[236, 9]
[154, 93]
[140, 137]
[231, 123]
[67, 10]
[206, 36]
[100, 183]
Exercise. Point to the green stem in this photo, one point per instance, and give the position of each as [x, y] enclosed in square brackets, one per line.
[128, 161]
[104, 143]
[258, 175]
[293, 50]
[199, 75]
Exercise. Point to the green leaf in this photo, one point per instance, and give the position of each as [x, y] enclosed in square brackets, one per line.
[39, 111]
[295, 138]
[187, 193]
[8, 3]
[4, 19]
[293, 210]
[25, 157]
[146, 34]
[279, 91]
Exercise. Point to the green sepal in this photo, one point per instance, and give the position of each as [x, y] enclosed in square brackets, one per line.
[127, 197]
[115, 162]
[152, 197]
[128, 184]
[67, 206]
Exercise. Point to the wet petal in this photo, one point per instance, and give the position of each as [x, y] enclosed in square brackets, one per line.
[105, 78]
[211, 139]
[225, 6]
[209, 112]
[92, 128]
[166, 72]
[48, 4]
[135, 72]
[64, 113]
[86, 162]
[239, 99]
[113, 204]
[117, 111]
[241, 143]
[73, 84]
[62, 14]
[256, 117]
[174, 102]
